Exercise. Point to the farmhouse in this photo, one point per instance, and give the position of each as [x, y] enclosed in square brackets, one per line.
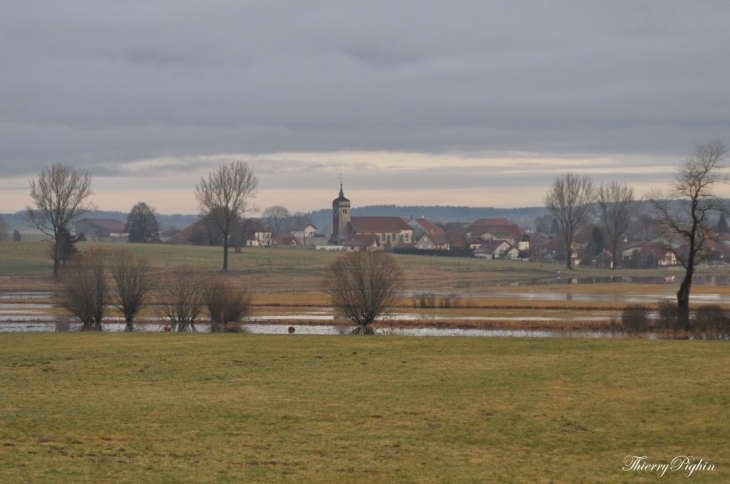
[361, 243]
[438, 241]
[101, 228]
[256, 233]
[496, 229]
[497, 249]
[303, 232]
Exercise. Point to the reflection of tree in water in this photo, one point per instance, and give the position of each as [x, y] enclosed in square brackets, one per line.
[569, 297]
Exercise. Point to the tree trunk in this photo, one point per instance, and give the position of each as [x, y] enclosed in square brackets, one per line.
[683, 300]
[225, 252]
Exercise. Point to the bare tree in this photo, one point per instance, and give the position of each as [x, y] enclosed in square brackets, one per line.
[133, 279]
[59, 198]
[225, 195]
[569, 200]
[276, 217]
[617, 209]
[363, 286]
[84, 288]
[687, 213]
[142, 224]
[182, 296]
[227, 303]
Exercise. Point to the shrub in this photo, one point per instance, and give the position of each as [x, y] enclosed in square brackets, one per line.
[635, 318]
[182, 296]
[711, 321]
[227, 303]
[424, 300]
[667, 315]
[449, 301]
[84, 288]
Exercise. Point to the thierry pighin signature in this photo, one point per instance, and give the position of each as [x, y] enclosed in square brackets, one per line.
[686, 464]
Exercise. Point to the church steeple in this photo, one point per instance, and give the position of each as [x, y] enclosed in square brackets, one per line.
[340, 217]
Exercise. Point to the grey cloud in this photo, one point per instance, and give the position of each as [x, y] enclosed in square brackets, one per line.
[114, 82]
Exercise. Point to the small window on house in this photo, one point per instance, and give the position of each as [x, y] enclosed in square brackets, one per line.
[344, 210]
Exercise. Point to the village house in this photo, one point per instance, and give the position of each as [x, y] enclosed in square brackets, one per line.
[257, 233]
[303, 232]
[496, 229]
[361, 243]
[428, 241]
[497, 249]
[648, 254]
[101, 229]
[285, 240]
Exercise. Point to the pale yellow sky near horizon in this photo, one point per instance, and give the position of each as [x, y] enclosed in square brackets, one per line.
[309, 181]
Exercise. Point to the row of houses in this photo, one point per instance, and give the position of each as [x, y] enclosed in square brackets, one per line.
[494, 238]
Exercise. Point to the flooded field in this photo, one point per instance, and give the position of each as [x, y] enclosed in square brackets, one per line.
[33, 312]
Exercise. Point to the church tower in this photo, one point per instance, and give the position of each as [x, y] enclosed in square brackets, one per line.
[340, 218]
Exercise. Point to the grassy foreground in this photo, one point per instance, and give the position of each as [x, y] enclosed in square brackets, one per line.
[138, 407]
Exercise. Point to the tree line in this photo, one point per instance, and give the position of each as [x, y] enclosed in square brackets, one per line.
[94, 282]
[686, 215]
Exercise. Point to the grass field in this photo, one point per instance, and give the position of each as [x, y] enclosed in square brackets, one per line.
[253, 408]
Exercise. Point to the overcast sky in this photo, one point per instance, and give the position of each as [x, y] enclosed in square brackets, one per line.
[461, 102]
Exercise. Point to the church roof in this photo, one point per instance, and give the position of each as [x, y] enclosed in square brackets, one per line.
[378, 225]
[341, 198]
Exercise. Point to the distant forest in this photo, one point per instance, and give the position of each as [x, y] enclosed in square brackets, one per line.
[322, 219]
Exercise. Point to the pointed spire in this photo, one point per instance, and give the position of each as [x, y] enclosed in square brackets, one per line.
[342, 194]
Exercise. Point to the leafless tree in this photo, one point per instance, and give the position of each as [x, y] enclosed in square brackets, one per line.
[225, 194]
[182, 294]
[134, 283]
[363, 286]
[569, 200]
[688, 211]
[84, 288]
[617, 209]
[59, 198]
[276, 217]
[227, 303]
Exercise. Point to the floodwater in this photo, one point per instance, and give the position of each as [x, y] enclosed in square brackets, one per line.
[32, 316]
[311, 329]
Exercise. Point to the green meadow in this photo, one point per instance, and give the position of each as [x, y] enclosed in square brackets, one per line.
[81, 407]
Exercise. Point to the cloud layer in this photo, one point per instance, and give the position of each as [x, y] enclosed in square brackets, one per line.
[306, 90]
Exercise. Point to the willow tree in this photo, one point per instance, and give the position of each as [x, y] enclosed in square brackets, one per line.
[363, 286]
[59, 198]
[569, 201]
[134, 283]
[224, 197]
[687, 213]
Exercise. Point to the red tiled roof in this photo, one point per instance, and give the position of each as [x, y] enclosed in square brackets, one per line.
[286, 239]
[360, 240]
[429, 227]
[255, 225]
[378, 225]
[109, 224]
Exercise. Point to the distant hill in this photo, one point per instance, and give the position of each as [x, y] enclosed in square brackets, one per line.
[16, 220]
[523, 217]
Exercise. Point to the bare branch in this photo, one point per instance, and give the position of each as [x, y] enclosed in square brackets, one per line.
[569, 200]
[224, 196]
